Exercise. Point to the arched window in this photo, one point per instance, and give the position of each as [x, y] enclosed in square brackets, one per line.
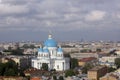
[32, 63]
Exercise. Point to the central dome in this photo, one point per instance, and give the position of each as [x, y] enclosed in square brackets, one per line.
[50, 42]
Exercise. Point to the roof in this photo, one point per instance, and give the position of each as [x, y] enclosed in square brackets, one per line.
[97, 68]
[50, 42]
[35, 78]
[113, 75]
[60, 50]
[87, 59]
[36, 72]
[40, 50]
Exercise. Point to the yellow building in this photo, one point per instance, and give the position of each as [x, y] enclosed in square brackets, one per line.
[97, 72]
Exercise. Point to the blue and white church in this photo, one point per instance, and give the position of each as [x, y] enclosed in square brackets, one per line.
[51, 54]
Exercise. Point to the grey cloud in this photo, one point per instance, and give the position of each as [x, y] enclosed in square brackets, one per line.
[59, 15]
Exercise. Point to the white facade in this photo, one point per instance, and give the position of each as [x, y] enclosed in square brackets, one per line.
[108, 61]
[52, 55]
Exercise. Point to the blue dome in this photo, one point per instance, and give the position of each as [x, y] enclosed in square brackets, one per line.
[50, 43]
[40, 50]
[46, 50]
[60, 50]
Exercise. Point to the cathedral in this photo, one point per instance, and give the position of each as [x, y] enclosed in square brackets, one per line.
[51, 54]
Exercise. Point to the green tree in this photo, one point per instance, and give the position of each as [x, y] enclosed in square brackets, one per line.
[11, 67]
[67, 55]
[73, 63]
[18, 51]
[10, 72]
[2, 69]
[69, 73]
[86, 68]
[110, 69]
[8, 69]
[54, 77]
[117, 62]
[44, 66]
[98, 50]
[85, 50]
[61, 78]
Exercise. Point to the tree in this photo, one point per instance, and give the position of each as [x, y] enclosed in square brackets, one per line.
[67, 55]
[18, 51]
[54, 77]
[44, 66]
[8, 69]
[98, 50]
[110, 69]
[85, 50]
[117, 62]
[2, 69]
[10, 72]
[73, 63]
[86, 68]
[61, 78]
[69, 73]
[11, 67]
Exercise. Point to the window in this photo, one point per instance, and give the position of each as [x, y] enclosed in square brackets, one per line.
[32, 63]
[63, 65]
[38, 65]
[57, 66]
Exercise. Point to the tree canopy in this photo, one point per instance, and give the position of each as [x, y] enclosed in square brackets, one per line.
[117, 62]
[61, 78]
[73, 63]
[86, 68]
[69, 73]
[8, 69]
[44, 66]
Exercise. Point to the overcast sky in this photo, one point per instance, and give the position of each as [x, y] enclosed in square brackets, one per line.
[69, 20]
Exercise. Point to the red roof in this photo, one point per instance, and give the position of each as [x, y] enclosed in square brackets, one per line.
[87, 59]
[35, 78]
[33, 70]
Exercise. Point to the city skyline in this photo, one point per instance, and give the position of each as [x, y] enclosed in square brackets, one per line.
[68, 20]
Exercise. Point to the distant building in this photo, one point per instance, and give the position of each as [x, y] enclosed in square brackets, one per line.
[112, 76]
[97, 72]
[22, 61]
[83, 61]
[83, 55]
[117, 52]
[52, 55]
[108, 61]
[12, 78]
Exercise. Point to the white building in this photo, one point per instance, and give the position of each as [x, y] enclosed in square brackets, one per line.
[51, 54]
[108, 61]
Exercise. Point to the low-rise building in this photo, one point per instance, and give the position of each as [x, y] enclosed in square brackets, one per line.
[108, 61]
[22, 61]
[12, 78]
[83, 55]
[97, 72]
[112, 76]
[91, 60]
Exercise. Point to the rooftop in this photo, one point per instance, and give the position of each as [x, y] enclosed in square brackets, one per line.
[87, 59]
[97, 68]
